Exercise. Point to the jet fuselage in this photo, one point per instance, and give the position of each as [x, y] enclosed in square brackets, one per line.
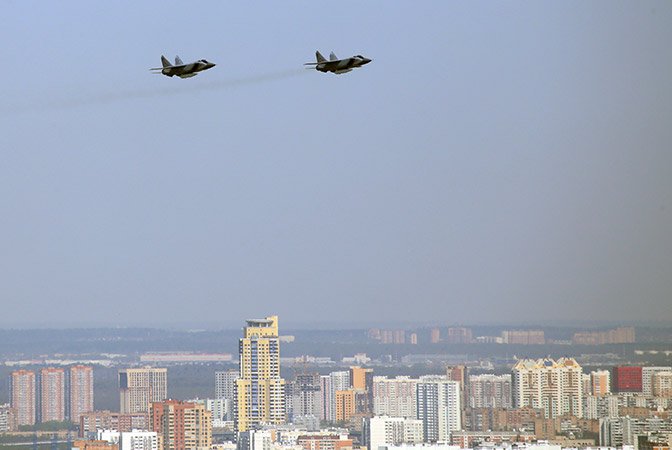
[187, 70]
[342, 65]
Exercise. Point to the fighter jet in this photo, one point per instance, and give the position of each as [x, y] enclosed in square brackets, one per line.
[336, 65]
[181, 69]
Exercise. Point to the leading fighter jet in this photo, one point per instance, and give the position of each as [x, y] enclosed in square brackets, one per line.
[181, 69]
[336, 65]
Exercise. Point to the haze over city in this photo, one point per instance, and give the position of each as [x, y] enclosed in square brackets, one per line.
[495, 162]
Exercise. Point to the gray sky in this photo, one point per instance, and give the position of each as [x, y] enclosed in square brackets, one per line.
[497, 161]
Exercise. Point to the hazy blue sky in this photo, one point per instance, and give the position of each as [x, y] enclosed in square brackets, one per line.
[496, 161]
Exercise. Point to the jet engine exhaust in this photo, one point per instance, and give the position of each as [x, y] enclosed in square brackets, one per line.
[178, 89]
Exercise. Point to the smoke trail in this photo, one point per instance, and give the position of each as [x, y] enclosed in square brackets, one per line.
[112, 97]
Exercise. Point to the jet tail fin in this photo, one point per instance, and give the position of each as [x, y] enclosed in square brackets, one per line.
[178, 61]
[333, 57]
[320, 58]
[165, 61]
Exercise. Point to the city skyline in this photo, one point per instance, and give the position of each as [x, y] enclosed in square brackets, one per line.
[368, 401]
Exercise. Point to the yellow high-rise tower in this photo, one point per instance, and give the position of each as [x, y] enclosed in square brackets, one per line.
[260, 392]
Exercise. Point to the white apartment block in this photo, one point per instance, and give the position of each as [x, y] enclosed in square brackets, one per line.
[439, 407]
[394, 397]
[4, 418]
[600, 406]
[553, 386]
[139, 440]
[255, 440]
[413, 431]
[130, 440]
[384, 430]
[489, 391]
[304, 398]
[138, 388]
[225, 384]
[586, 386]
[111, 436]
[218, 408]
[661, 384]
[340, 381]
[623, 431]
[225, 390]
[221, 409]
[335, 381]
[647, 378]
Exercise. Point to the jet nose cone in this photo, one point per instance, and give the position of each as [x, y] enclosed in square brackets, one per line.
[366, 61]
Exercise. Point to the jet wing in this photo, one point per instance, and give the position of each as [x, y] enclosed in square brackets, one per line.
[170, 67]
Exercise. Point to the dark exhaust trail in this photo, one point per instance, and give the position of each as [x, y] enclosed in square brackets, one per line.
[187, 87]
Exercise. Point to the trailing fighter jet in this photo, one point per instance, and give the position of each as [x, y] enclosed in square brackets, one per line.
[336, 65]
[181, 69]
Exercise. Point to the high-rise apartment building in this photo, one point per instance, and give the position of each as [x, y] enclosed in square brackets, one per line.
[225, 389]
[81, 391]
[181, 425]
[489, 391]
[459, 335]
[661, 384]
[394, 397]
[647, 378]
[621, 335]
[23, 396]
[392, 336]
[138, 388]
[600, 382]
[523, 337]
[225, 384]
[459, 373]
[52, 394]
[259, 389]
[626, 379]
[586, 386]
[361, 380]
[374, 333]
[600, 407]
[326, 413]
[625, 430]
[345, 405]
[329, 384]
[553, 386]
[435, 336]
[304, 396]
[438, 407]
